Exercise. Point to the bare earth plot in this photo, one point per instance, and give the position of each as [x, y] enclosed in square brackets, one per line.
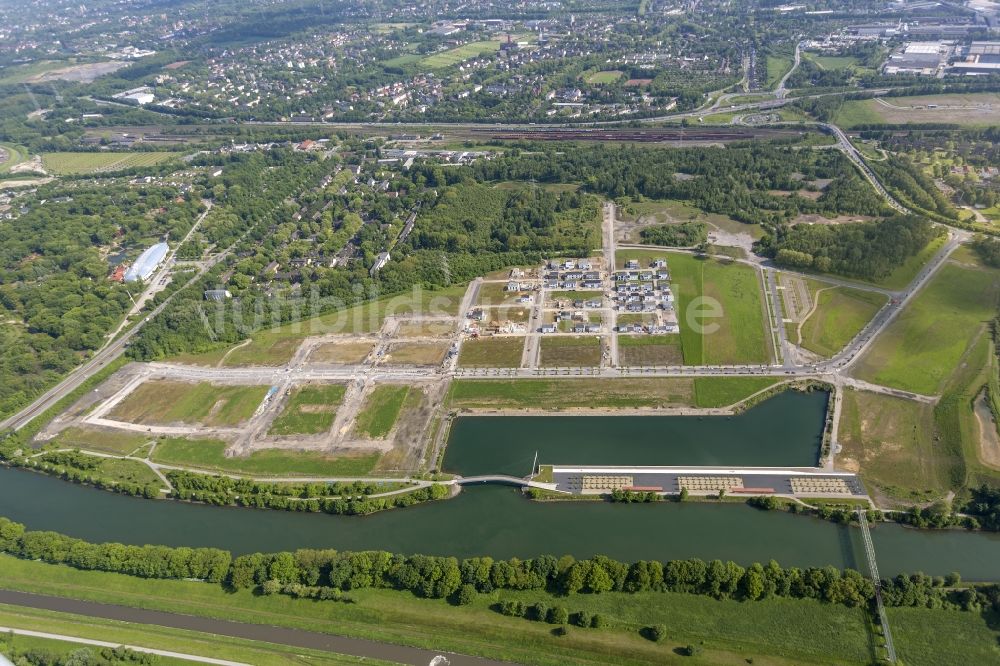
[416, 353]
[586, 393]
[160, 402]
[347, 352]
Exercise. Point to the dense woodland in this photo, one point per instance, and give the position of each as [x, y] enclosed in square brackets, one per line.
[734, 181]
[56, 302]
[868, 250]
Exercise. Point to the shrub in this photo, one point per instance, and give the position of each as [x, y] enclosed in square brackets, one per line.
[690, 651]
[537, 611]
[655, 633]
[557, 615]
[581, 619]
[598, 622]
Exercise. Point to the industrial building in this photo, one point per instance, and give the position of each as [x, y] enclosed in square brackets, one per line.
[978, 58]
[147, 263]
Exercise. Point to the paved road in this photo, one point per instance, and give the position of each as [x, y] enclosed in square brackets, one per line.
[359, 647]
[780, 92]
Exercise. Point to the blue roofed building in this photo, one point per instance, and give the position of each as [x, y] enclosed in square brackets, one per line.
[147, 263]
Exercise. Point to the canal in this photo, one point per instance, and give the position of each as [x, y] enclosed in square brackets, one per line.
[497, 521]
[783, 431]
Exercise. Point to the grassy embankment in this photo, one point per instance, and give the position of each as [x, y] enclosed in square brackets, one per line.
[780, 631]
[210, 455]
[310, 410]
[156, 638]
[583, 393]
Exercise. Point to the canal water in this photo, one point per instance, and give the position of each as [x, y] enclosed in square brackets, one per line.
[785, 430]
[497, 521]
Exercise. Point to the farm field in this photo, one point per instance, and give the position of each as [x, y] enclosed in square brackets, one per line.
[309, 411]
[970, 110]
[380, 411]
[209, 454]
[566, 351]
[924, 345]
[891, 442]
[738, 336]
[496, 352]
[840, 314]
[81, 163]
[416, 353]
[162, 402]
[643, 350]
[778, 632]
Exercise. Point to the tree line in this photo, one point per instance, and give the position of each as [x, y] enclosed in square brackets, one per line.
[338, 499]
[308, 572]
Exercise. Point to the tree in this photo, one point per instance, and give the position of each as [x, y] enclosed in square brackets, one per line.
[465, 595]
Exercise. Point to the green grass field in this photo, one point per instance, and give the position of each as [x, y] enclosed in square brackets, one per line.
[310, 410]
[81, 163]
[498, 352]
[705, 287]
[604, 77]
[161, 402]
[567, 351]
[380, 411]
[777, 632]
[210, 454]
[156, 638]
[840, 314]
[931, 638]
[925, 343]
[892, 441]
[641, 350]
[460, 54]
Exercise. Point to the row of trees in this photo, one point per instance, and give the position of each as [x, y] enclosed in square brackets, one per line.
[338, 499]
[327, 574]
